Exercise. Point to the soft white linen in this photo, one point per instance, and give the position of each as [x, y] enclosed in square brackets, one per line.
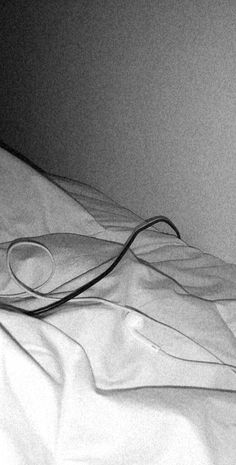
[31, 205]
[81, 386]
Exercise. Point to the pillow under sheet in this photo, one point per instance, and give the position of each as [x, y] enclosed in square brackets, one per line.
[31, 205]
[77, 259]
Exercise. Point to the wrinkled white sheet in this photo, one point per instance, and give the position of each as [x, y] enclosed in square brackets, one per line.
[81, 386]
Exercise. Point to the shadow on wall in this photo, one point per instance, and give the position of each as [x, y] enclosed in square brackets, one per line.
[135, 98]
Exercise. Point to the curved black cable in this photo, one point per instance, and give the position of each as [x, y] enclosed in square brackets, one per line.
[42, 311]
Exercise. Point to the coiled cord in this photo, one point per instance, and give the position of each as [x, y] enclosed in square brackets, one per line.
[58, 302]
[48, 309]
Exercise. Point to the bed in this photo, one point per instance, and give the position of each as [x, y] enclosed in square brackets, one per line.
[138, 369]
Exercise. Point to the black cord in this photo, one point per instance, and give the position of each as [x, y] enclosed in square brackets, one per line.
[45, 310]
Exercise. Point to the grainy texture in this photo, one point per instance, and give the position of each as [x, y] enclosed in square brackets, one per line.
[137, 98]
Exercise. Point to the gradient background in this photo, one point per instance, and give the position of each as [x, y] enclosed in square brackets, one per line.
[137, 98]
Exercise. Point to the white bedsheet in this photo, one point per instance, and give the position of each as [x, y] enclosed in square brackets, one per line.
[80, 386]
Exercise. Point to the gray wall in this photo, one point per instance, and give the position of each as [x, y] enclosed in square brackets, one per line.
[137, 98]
